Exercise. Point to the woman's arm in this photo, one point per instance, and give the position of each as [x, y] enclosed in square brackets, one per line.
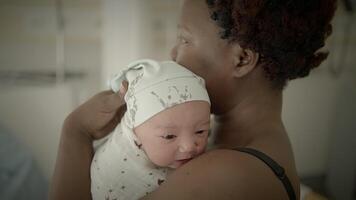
[92, 120]
[71, 179]
[224, 175]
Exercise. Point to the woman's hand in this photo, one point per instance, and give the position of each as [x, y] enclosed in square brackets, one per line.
[92, 120]
[99, 115]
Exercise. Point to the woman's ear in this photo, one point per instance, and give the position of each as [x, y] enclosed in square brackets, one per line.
[245, 60]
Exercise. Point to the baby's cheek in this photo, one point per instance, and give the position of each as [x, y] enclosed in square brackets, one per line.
[202, 145]
[163, 157]
[204, 140]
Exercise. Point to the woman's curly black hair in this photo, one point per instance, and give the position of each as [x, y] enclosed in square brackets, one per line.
[287, 34]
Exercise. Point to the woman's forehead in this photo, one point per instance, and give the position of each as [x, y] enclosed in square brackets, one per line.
[195, 18]
[194, 13]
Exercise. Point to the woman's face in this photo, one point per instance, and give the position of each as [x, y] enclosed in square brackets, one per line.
[200, 49]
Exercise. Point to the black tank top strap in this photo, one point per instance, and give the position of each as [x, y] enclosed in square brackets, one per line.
[275, 167]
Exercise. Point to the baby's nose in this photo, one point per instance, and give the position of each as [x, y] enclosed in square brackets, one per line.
[188, 145]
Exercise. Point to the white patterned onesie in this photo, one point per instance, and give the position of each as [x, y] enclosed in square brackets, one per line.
[121, 170]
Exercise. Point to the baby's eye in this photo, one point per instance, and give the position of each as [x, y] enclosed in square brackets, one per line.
[201, 132]
[168, 137]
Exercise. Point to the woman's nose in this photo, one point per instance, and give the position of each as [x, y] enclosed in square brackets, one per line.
[174, 53]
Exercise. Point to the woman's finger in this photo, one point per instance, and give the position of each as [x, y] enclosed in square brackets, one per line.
[123, 88]
[113, 101]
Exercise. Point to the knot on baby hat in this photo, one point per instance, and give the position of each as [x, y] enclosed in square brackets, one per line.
[154, 86]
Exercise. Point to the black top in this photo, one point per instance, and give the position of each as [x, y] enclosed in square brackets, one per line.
[275, 167]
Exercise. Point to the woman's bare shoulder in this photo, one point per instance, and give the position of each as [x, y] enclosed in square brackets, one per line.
[221, 174]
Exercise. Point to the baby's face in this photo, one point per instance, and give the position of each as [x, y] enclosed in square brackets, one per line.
[176, 135]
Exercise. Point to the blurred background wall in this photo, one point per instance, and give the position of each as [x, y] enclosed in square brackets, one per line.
[54, 54]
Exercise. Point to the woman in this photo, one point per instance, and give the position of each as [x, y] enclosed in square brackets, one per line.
[246, 50]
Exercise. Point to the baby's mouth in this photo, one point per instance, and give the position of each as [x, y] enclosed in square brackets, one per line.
[183, 161]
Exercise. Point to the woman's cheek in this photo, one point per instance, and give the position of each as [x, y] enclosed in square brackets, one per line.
[187, 57]
[184, 53]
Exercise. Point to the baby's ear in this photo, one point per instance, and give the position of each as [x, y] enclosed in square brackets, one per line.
[245, 60]
[138, 144]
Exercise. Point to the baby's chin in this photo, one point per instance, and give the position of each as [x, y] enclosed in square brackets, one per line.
[175, 165]
[170, 166]
[178, 163]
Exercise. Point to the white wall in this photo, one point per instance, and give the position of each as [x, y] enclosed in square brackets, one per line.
[318, 109]
[310, 108]
[35, 115]
[136, 29]
[34, 108]
[120, 36]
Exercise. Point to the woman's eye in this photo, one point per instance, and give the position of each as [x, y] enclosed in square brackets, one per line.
[183, 41]
[168, 137]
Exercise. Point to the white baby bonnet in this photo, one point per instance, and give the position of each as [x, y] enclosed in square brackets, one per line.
[155, 86]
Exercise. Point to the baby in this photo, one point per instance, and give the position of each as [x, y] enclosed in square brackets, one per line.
[166, 125]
